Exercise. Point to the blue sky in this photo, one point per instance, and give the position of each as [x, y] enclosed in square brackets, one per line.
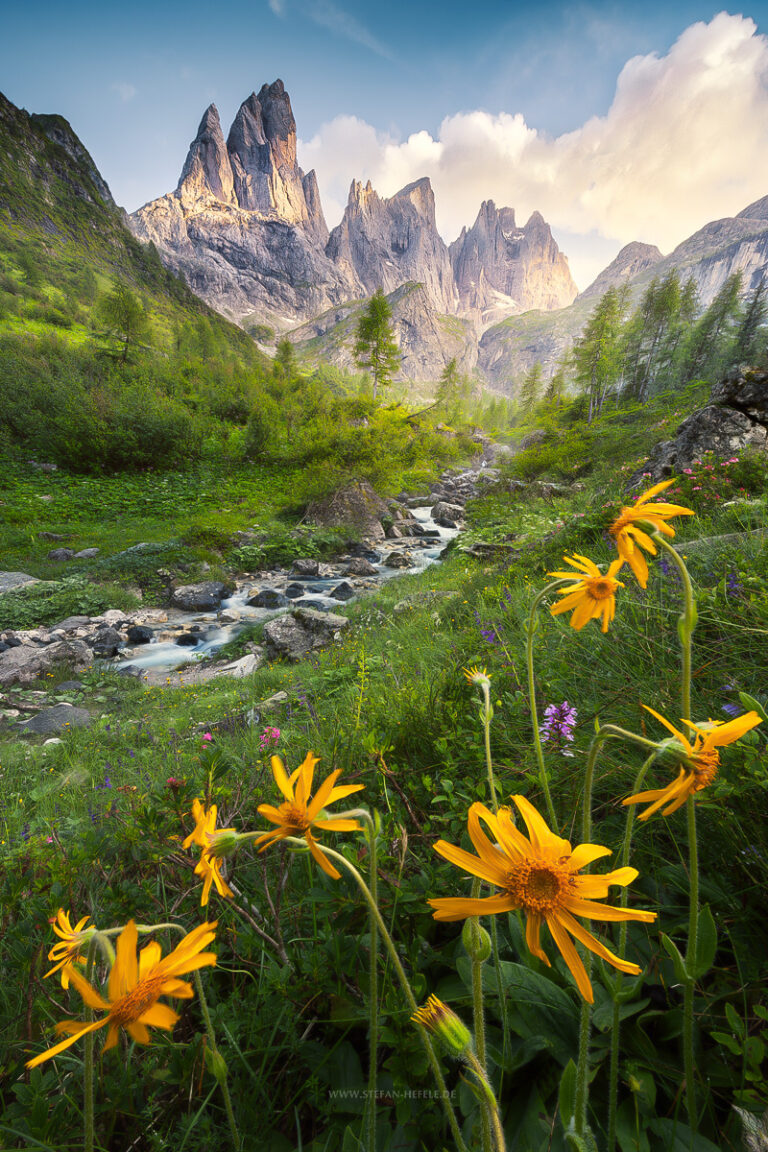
[134, 79]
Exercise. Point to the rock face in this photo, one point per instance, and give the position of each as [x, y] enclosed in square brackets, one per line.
[736, 418]
[207, 170]
[384, 243]
[356, 505]
[13, 581]
[55, 719]
[502, 269]
[23, 664]
[631, 261]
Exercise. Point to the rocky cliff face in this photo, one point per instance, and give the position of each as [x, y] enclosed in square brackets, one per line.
[245, 225]
[631, 261]
[384, 243]
[502, 269]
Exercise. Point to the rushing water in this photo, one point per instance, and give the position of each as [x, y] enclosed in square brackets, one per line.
[215, 629]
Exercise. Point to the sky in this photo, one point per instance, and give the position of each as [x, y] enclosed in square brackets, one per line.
[617, 121]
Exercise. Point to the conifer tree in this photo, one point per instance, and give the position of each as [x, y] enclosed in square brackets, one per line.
[597, 353]
[375, 347]
[746, 349]
[530, 390]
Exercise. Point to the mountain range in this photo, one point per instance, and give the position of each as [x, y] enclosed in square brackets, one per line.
[245, 228]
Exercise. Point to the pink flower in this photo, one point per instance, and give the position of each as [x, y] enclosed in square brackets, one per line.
[688, 471]
[697, 488]
[207, 736]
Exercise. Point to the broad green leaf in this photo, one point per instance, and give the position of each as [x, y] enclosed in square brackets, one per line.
[706, 943]
[567, 1095]
[673, 952]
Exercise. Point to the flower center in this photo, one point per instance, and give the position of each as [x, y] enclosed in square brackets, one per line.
[601, 589]
[705, 766]
[294, 817]
[135, 1003]
[537, 886]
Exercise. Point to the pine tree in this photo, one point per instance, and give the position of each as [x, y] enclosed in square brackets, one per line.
[375, 346]
[448, 393]
[530, 390]
[597, 353]
[122, 319]
[709, 346]
[748, 337]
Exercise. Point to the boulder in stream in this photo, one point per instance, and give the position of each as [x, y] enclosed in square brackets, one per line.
[295, 635]
[204, 597]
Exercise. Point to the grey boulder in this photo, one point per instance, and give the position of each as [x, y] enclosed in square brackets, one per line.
[55, 719]
[204, 597]
[301, 631]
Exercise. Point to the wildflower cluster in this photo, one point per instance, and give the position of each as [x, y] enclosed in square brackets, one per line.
[557, 729]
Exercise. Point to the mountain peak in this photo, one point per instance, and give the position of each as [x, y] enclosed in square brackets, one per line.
[207, 170]
[632, 259]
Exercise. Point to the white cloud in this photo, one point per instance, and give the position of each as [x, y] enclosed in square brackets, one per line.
[125, 91]
[685, 141]
[277, 6]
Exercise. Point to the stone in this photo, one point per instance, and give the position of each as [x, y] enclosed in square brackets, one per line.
[187, 639]
[13, 581]
[293, 591]
[305, 568]
[398, 560]
[343, 591]
[61, 554]
[55, 719]
[301, 631]
[445, 511]
[268, 598]
[359, 566]
[87, 554]
[735, 419]
[139, 634]
[72, 623]
[394, 533]
[25, 663]
[204, 597]
[105, 642]
[357, 506]
[69, 686]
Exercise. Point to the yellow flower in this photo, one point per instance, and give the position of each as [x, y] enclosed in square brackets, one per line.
[699, 761]
[540, 876]
[209, 864]
[630, 537]
[70, 950]
[135, 987]
[298, 815]
[591, 594]
[477, 675]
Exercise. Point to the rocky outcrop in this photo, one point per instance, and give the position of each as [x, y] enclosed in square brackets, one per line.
[205, 597]
[631, 261]
[356, 506]
[301, 631]
[384, 243]
[502, 269]
[207, 170]
[735, 419]
[27, 661]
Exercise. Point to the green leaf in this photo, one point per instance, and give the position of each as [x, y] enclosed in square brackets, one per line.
[681, 972]
[753, 705]
[735, 1021]
[352, 1142]
[706, 943]
[567, 1095]
[677, 1137]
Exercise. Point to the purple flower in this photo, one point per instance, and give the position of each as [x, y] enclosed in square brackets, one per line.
[733, 709]
[733, 586]
[557, 729]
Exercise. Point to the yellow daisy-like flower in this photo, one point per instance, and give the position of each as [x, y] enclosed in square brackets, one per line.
[209, 864]
[298, 815]
[135, 986]
[540, 876]
[699, 761]
[72, 944]
[591, 595]
[477, 675]
[443, 1022]
[630, 537]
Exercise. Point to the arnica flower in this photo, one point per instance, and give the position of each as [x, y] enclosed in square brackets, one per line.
[209, 865]
[298, 815]
[540, 876]
[72, 944]
[591, 595]
[699, 761]
[477, 675]
[443, 1022]
[135, 986]
[630, 537]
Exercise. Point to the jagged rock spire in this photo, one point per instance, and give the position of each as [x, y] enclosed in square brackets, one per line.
[207, 169]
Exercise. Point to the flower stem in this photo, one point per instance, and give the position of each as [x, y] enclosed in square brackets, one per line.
[404, 984]
[491, 1108]
[478, 1006]
[89, 1134]
[531, 629]
[585, 1022]
[686, 626]
[613, 1070]
[373, 987]
[220, 1071]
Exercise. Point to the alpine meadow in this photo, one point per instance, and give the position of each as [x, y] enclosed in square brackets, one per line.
[384, 594]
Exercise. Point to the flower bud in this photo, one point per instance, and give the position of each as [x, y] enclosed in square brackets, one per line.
[438, 1019]
[476, 941]
[223, 843]
[671, 753]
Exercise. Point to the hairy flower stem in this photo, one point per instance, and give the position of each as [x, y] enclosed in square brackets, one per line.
[685, 627]
[491, 1107]
[531, 629]
[218, 1066]
[487, 717]
[373, 985]
[478, 1006]
[404, 984]
[89, 1134]
[613, 1070]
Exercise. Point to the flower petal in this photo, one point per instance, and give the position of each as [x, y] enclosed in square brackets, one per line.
[533, 938]
[572, 958]
[460, 907]
[57, 1048]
